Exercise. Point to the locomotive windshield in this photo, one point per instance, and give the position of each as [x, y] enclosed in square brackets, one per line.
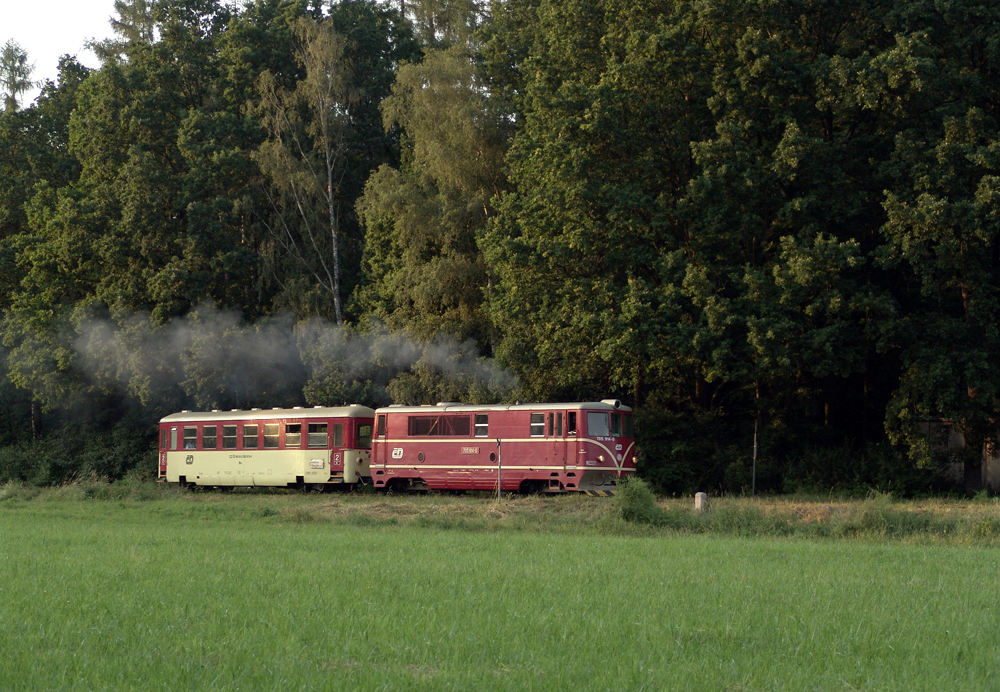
[597, 424]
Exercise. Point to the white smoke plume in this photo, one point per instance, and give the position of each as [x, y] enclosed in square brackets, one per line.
[214, 359]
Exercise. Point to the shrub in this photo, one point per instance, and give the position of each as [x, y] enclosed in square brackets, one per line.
[637, 503]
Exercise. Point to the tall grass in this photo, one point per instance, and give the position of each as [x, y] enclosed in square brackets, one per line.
[207, 594]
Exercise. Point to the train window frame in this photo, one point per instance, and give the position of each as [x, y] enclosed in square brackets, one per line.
[438, 425]
[552, 423]
[571, 422]
[559, 424]
[381, 425]
[272, 435]
[592, 418]
[173, 438]
[164, 437]
[616, 424]
[319, 437]
[481, 425]
[364, 437]
[230, 436]
[214, 437]
[627, 429]
[293, 438]
[251, 436]
[190, 437]
[338, 434]
[536, 425]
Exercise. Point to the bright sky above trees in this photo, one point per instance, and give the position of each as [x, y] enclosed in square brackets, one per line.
[54, 29]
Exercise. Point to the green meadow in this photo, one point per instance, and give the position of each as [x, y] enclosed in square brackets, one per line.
[286, 591]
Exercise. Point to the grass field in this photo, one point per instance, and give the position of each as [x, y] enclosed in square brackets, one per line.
[285, 591]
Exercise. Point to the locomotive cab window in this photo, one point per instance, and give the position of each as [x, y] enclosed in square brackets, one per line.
[597, 424]
[365, 435]
[270, 435]
[627, 420]
[210, 437]
[250, 436]
[571, 422]
[190, 437]
[559, 424]
[482, 425]
[338, 435]
[616, 424]
[293, 434]
[552, 422]
[317, 434]
[537, 424]
[381, 425]
[229, 437]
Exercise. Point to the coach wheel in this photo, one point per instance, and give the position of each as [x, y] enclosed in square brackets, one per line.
[316, 487]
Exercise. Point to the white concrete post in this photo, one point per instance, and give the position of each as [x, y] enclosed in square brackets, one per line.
[700, 502]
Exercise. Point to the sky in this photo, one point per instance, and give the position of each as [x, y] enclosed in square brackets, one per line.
[47, 30]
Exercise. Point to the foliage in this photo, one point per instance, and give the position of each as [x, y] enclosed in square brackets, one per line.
[767, 226]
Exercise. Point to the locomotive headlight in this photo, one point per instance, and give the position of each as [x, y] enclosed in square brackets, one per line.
[635, 460]
[601, 458]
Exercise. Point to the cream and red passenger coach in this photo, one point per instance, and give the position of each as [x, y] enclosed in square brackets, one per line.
[298, 447]
[528, 447]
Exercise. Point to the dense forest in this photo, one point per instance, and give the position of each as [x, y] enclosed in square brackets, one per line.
[771, 228]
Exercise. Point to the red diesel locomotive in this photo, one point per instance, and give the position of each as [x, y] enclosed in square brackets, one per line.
[528, 447]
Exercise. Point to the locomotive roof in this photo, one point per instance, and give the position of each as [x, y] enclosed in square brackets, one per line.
[352, 411]
[462, 408]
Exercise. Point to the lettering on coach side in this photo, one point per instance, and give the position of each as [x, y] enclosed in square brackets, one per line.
[470, 450]
[241, 456]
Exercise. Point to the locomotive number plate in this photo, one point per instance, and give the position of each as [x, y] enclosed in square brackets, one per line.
[470, 450]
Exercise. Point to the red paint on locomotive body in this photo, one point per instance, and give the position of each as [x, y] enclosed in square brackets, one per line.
[549, 447]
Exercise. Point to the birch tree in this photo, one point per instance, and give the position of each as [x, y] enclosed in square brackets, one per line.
[305, 155]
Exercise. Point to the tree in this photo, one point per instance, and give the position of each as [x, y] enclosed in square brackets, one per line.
[306, 159]
[15, 74]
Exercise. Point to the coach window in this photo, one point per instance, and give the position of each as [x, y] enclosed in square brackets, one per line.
[381, 425]
[173, 438]
[250, 436]
[482, 425]
[270, 435]
[163, 438]
[317, 434]
[597, 424]
[552, 423]
[210, 437]
[229, 437]
[628, 425]
[338, 435]
[293, 434]
[616, 424]
[365, 435]
[571, 422]
[559, 424]
[537, 424]
[190, 437]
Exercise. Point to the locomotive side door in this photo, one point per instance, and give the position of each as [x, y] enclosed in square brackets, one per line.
[380, 450]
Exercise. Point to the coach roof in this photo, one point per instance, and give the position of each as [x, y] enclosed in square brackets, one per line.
[485, 408]
[352, 411]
